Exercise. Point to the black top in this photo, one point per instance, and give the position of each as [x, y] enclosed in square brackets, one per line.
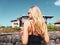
[35, 40]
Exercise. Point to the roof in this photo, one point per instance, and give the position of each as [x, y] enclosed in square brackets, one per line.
[27, 17]
[19, 18]
[57, 22]
[13, 20]
[48, 16]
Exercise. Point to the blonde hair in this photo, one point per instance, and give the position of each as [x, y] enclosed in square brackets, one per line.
[38, 18]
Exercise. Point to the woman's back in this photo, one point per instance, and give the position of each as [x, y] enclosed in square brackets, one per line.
[35, 40]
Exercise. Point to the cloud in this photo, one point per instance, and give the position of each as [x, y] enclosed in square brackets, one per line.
[57, 3]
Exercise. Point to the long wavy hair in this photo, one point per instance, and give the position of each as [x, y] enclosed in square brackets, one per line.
[38, 20]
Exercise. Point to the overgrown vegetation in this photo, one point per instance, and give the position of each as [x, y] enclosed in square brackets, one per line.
[17, 28]
[7, 29]
[51, 27]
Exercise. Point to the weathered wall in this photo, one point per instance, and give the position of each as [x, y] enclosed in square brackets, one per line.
[10, 39]
[15, 38]
[54, 38]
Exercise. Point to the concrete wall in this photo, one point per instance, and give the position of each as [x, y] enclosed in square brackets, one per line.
[15, 38]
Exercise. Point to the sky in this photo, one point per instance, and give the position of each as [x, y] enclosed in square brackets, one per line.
[12, 9]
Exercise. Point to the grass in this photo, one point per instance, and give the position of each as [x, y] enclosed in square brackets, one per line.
[9, 29]
[52, 27]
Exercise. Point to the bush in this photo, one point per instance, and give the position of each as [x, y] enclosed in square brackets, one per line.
[8, 29]
[17, 28]
[2, 26]
[51, 27]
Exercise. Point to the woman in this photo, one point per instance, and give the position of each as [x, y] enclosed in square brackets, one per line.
[35, 29]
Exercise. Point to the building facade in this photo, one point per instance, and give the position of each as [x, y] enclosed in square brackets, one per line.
[20, 21]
